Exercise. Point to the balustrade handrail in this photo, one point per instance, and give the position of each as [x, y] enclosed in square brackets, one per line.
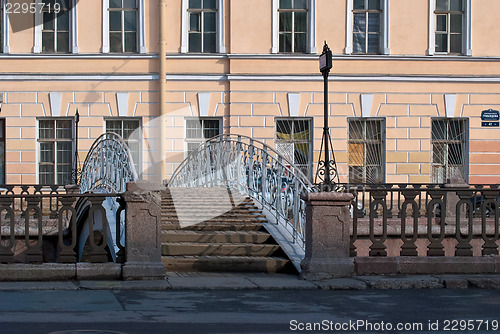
[253, 168]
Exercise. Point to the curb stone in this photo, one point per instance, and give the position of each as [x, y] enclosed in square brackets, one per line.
[408, 282]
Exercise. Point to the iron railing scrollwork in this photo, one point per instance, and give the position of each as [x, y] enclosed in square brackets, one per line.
[252, 168]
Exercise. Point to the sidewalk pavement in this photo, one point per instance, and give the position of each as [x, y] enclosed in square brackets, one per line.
[263, 281]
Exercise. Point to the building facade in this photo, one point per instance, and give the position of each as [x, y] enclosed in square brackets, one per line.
[413, 97]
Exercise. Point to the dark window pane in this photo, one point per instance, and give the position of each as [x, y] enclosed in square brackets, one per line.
[283, 127]
[359, 4]
[374, 4]
[46, 174]
[455, 130]
[63, 129]
[209, 22]
[373, 131]
[286, 21]
[211, 128]
[115, 42]
[359, 22]
[285, 42]
[300, 22]
[441, 23]
[456, 43]
[300, 42]
[48, 41]
[373, 43]
[63, 20]
[285, 4]
[115, 21]
[63, 42]
[373, 22]
[209, 42]
[300, 4]
[438, 130]
[130, 23]
[455, 154]
[129, 4]
[194, 42]
[194, 3]
[46, 129]
[355, 130]
[456, 23]
[359, 43]
[194, 22]
[48, 21]
[47, 152]
[441, 43]
[456, 5]
[64, 152]
[64, 174]
[355, 174]
[209, 4]
[130, 42]
[442, 4]
[115, 3]
[64, 4]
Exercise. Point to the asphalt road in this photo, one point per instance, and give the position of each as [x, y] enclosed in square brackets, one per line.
[249, 311]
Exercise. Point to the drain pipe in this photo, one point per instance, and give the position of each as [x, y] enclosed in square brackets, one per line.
[163, 85]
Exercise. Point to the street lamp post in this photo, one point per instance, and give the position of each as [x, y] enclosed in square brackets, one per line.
[326, 175]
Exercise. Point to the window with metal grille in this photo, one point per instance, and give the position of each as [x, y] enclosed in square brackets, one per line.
[123, 25]
[202, 34]
[55, 157]
[449, 15]
[55, 26]
[293, 26]
[449, 140]
[366, 26]
[130, 131]
[198, 130]
[366, 151]
[293, 141]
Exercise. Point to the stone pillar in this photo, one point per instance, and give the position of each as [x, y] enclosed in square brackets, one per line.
[327, 236]
[142, 232]
[452, 199]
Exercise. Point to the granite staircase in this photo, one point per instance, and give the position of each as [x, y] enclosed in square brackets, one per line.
[216, 230]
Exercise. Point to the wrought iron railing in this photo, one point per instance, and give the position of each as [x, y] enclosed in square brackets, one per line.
[252, 168]
[38, 226]
[422, 217]
[108, 165]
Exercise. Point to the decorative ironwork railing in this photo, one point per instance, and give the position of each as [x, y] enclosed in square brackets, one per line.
[108, 165]
[412, 220]
[254, 169]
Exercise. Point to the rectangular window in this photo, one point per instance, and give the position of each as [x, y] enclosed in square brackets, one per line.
[366, 158]
[366, 26]
[293, 26]
[293, 141]
[202, 32]
[123, 17]
[55, 26]
[449, 138]
[198, 130]
[55, 155]
[2, 150]
[130, 131]
[449, 16]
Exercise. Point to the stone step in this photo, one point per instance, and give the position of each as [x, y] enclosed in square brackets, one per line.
[256, 237]
[229, 226]
[218, 249]
[227, 264]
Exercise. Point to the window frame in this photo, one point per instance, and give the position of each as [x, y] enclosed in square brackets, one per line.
[466, 30]
[293, 32]
[73, 32]
[138, 164]
[384, 28]
[55, 140]
[383, 140]
[465, 148]
[366, 11]
[202, 139]
[309, 141]
[55, 30]
[140, 37]
[219, 34]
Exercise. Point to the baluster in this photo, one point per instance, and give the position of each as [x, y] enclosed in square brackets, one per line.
[6, 250]
[490, 246]
[378, 248]
[96, 212]
[296, 206]
[464, 247]
[120, 255]
[34, 251]
[436, 248]
[390, 207]
[354, 235]
[250, 166]
[409, 248]
[264, 189]
[67, 254]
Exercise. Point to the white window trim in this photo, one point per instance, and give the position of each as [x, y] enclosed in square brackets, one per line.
[221, 46]
[311, 21]
[140, 28]
[466, 32]
[5, 29]
[73, 34]
[384, 31]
